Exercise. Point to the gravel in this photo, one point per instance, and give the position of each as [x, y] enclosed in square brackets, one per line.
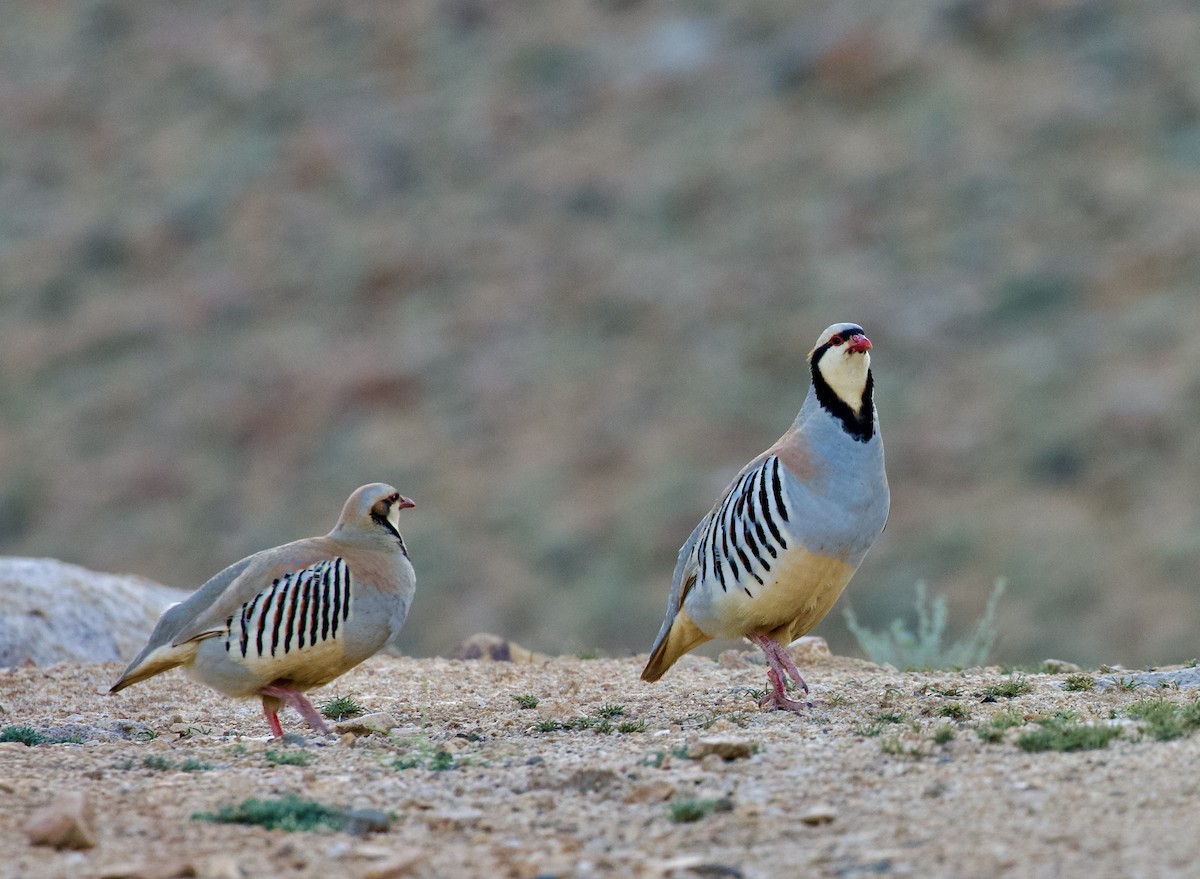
[466, 783]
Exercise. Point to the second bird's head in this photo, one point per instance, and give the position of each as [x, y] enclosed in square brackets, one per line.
[842, 359]
[373, 510]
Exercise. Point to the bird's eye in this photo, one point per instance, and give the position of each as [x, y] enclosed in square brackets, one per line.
[837, 340]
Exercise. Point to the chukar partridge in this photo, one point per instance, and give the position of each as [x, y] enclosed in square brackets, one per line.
[288, 619]
[770, 559]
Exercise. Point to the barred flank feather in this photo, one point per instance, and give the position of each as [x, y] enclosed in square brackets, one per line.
[298, 610]
[743, 533]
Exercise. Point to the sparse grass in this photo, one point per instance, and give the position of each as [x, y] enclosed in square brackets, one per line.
[424, 754]
[943, 735]
[1127, 684]
[993, 730]
[1079, 683]
[191, 764]
[904, 649]
[289, 813]
[1017, 685]
[955, 711]
[878, 723]
[1164, 720]
[599, 721]
[288, 758]
[756, 694]
[145, 735]
[1066, 734]
[951, 692]
[24, 734]
[687, 811]
[895, 746]
[341, 707]
[526, 700]
[837, 700]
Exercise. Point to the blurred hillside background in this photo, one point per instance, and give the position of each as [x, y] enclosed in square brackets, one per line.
[552, 268]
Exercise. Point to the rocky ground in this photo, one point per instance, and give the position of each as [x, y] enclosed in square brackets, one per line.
[890, 773]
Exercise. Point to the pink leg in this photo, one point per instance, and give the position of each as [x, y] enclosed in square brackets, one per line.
[780, 669]
[298, 701]
[272, 719]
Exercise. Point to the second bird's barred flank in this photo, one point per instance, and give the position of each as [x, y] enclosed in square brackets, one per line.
[744, 532]
[298, 610]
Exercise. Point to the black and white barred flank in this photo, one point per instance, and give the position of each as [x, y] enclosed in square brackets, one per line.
[303, 608]
[743, 534]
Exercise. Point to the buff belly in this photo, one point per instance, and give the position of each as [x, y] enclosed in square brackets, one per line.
[802, 591]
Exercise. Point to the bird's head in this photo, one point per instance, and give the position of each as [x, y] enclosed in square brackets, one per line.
[372, 509]
[841, 360]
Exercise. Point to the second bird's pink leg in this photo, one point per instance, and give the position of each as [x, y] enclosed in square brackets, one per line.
[298, 701]
[781, 667]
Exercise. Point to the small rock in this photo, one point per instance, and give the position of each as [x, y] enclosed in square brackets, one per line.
[1060, 667]
[808, 650]
[360, 822]
[483, 645]
[816, 815]
[219, 867]
[376, 722]
[399, 864]
[651, 792]
[347, 740]
[159, 869]
[1184, 678]
[726, 749]
[64, 823]
[454, 819]
[591, 781]
[734, 658]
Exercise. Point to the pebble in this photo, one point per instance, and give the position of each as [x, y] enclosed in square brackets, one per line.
[376, 722]
[651, 792]
[726, 749]
[809, 649]
[400, 863]
[64, 823]
[219, 867]
[817, 815]
[360, 822]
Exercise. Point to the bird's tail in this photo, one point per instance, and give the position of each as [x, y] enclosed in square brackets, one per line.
[681, 637]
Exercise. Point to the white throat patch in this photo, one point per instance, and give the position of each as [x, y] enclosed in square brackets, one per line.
[846, 375]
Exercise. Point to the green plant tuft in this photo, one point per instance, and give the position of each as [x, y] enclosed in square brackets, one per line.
[903, 649]
[1079, 683]
[1066, 734]
[1017, 685]
[631, 726]
[955, 711]
[687, 811]
[1163, 720]
[288, 758]
[24, 734]
[526, 700]
[289, 813]
[341, 708]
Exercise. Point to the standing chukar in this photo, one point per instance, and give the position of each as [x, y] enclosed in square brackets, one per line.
[295, 617]
[771, 558]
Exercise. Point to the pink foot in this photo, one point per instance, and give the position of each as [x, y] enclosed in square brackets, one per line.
[298, 701]
[780, 669]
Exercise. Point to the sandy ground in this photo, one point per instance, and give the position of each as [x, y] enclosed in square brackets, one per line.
[857, 787]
